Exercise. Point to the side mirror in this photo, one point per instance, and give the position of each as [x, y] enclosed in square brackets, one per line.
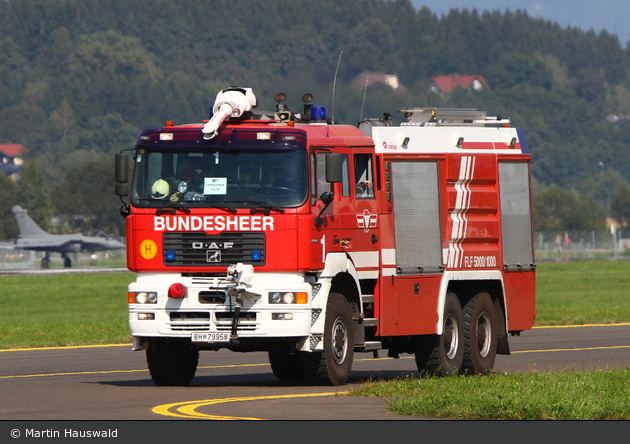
[327, 197]
[333, 167]
[121, 173]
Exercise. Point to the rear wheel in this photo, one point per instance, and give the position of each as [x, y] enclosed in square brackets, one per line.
[443, 354]
[172, 363]
[480, 334]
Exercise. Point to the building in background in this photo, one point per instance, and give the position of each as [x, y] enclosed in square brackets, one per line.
[11, 158]
[442, 84]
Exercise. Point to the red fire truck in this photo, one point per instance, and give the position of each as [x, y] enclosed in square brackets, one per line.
[285, 233]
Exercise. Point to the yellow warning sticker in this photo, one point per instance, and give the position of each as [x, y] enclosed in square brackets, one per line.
[148, 249]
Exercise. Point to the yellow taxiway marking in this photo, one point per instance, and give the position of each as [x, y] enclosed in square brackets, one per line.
[572, 349]
[65, 347]
[582, 325]
[105, 372]
[188, 409]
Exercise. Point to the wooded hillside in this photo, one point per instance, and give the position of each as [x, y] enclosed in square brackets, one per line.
[79, 78]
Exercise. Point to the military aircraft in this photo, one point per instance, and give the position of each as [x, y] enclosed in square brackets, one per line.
[32, 237]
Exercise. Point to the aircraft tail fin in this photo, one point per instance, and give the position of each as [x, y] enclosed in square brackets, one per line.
[26, 225]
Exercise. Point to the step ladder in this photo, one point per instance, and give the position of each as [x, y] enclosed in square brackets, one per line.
[362, 344]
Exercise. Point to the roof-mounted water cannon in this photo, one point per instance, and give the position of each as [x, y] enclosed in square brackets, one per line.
[231, 102]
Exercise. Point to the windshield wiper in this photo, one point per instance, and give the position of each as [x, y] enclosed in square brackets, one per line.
[177, 206]
[221, 207]
[186, 209]
[168, 203]
[258, 205]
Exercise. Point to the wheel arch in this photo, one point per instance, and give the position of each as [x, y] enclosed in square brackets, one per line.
[342, 277]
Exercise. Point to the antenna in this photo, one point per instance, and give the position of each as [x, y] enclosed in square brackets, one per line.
[367, 79]
[332, 106]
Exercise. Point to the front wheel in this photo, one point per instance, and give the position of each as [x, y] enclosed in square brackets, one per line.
[286, 365]
[172, 363]
[333, 365]
[480, 334]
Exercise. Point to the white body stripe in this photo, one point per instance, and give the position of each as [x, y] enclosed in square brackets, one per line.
[462, 204]
[365, 259]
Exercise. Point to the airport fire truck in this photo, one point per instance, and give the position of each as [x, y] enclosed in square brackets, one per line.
[283, 232]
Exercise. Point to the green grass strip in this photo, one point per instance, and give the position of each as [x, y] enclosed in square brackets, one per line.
[597, 395]
[64, 309]
[582, 292]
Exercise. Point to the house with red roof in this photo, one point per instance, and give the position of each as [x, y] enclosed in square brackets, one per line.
[442, 84]
[11, 157]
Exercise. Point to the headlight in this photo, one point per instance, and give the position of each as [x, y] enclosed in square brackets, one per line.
[143, 297]
[288, 297]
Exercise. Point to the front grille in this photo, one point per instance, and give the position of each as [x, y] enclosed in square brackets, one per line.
[189, 315]
[194, 321]
[189, 321]
[212, 297]
[199, 249]
[246, 321]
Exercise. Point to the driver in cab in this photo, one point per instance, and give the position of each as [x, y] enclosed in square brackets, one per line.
[186, 180]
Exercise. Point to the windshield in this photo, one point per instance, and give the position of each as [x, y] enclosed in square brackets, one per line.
[227, 178]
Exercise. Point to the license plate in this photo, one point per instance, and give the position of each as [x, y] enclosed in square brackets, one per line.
[211, 337]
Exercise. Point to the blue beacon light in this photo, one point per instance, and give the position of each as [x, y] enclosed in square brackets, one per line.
[318, 113]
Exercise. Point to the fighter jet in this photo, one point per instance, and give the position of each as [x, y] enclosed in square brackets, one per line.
[32, 237]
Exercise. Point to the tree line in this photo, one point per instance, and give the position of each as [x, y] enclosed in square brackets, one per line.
[79, 78]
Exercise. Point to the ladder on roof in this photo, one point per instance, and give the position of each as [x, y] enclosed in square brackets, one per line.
[450, 116]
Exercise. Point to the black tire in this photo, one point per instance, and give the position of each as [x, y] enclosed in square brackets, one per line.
[480, 334]
[443, 354]
[285, 365]
[333, 365]
[172, 363]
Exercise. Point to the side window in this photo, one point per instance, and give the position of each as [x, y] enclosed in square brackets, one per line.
[364, 176]
[318, 177]
[313, 180]
[322, 185]
[345, 176]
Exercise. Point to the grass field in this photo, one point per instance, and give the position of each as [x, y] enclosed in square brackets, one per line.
[583, 292]
[64, 309]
